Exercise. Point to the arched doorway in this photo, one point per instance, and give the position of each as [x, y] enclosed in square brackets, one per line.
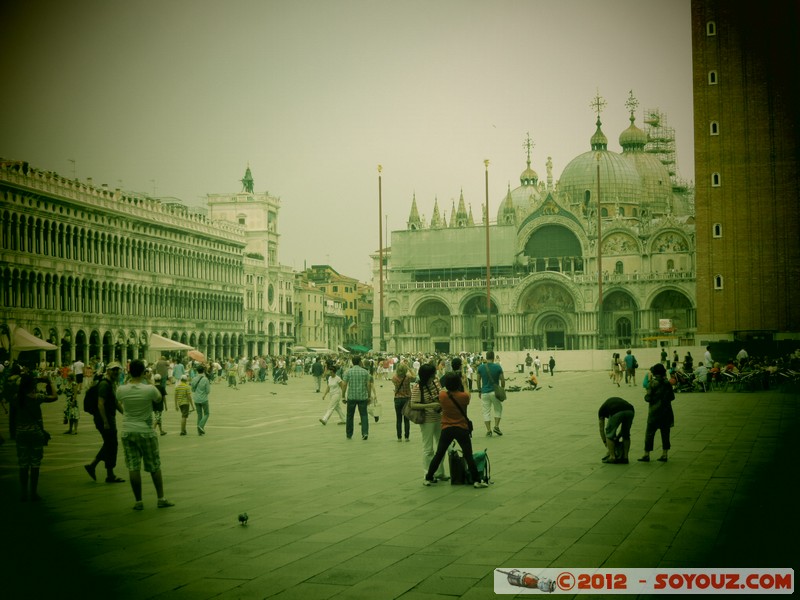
[81, 346]
[478, 331]
[435, 320]
[555, 333]
[546, 305]
[623, 330]
[620, 320]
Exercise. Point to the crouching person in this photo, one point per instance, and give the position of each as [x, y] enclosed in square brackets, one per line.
[616, 417]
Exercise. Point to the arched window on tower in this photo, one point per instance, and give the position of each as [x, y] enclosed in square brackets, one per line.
[712, 78]
[714, 129]
[717, 282]
[717, 230]
[711, 28]
[715, 180]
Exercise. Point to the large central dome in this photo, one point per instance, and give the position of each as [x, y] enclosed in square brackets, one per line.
[620, 183]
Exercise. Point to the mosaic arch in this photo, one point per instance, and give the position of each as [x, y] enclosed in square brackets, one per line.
[669, 241]
[547, 295]
[618, 301]
[431, 308]
[475, 305]
[551, 242]
[620, 243]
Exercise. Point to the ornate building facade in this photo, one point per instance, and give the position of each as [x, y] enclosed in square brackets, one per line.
[547, 274]
[95, 271]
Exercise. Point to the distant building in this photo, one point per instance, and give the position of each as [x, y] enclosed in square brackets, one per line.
[344, 290]
[745, 64]
[268, 285]
[544, 285]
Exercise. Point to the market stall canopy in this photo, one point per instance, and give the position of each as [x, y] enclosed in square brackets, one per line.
[24, 340]
[158, 342]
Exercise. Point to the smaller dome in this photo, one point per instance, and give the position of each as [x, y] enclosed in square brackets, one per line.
[529, 176]
[599, 140]
[633, 137]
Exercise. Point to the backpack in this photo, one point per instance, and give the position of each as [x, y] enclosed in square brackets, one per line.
[90, 399]
[459, 472]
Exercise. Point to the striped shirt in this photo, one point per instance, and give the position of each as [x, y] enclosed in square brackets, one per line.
[183, 393]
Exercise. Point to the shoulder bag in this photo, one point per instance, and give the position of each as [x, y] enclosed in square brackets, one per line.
[461, 410]
[415, 415]
[499, 391]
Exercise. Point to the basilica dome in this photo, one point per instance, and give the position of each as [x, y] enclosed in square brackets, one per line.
[620, 183]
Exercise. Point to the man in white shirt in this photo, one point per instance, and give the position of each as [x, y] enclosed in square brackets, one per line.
[77, 371]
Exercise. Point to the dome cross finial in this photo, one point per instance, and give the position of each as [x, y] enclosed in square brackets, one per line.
[631, 103]
[528, 145]
[597, 104]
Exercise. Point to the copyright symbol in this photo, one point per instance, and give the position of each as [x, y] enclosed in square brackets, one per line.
[566, 581]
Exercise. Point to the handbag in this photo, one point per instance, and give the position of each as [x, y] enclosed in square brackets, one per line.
[499, 391]
[415, 415]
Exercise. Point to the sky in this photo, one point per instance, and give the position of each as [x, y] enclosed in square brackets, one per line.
[175, 98]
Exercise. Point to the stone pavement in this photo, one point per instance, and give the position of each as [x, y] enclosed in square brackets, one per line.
[331, 518]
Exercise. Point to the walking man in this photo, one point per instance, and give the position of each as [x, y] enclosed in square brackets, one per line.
[630, 368]
[139, 439]
[490, 374]
[317, 369]
[357, 389]
[201, 388]
[105, 420]
[77, 370]
[183, 400]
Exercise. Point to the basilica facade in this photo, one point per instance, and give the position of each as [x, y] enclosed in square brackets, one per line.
[601, 258]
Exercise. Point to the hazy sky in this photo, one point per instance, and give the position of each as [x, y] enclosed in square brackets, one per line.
[176, 97]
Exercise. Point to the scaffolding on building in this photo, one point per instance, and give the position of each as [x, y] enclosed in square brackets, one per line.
[661, 140]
